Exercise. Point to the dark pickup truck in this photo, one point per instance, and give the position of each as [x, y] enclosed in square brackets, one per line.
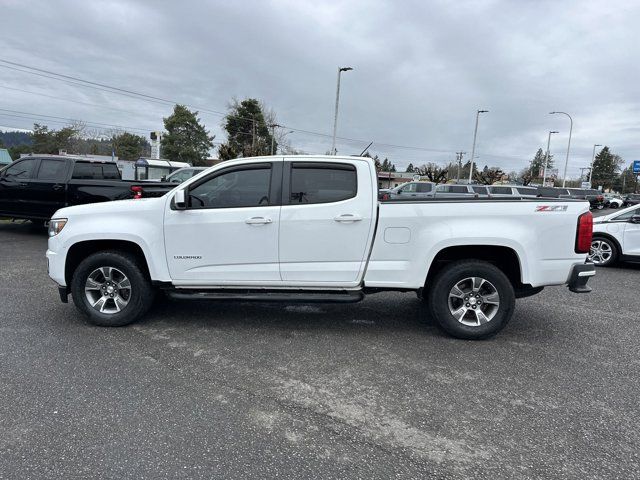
[34, 187]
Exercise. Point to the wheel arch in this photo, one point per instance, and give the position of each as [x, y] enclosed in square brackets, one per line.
[608, 236]
[81, 250]
[503, 257]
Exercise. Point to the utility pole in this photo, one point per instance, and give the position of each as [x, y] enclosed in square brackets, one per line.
[273, 135]
[473, 149]
[459, 158]
[335, 114]
[253, 136]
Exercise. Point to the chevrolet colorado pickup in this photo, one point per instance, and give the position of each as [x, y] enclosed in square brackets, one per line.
[34, 187]
[311, 228]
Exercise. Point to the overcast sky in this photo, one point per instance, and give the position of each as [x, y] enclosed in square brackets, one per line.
[421, 70]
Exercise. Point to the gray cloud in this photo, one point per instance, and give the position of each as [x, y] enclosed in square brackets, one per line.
[421, 70]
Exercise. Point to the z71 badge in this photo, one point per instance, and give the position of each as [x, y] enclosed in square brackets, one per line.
[551, 208]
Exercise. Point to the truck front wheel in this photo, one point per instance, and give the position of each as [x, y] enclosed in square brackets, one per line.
[111, 289]
[471, 299]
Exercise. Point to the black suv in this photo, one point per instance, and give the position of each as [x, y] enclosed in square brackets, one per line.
[594, 197]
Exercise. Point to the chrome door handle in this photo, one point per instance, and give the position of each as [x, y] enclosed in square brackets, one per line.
[348, 217]
[258, 221]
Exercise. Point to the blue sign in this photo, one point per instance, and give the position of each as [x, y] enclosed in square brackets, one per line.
[636, 166]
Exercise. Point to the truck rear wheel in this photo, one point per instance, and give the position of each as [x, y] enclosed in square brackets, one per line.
[111, 289]
[471, 299]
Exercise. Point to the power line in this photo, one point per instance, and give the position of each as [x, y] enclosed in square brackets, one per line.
[122, 91]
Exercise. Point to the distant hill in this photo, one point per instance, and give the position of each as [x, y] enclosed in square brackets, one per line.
[13, 139]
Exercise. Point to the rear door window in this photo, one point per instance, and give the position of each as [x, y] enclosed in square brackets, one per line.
[480, 190]
[51, 169]
[313, 183]
[527, 191]
[424, 187]
[458, 189]
[442, 188]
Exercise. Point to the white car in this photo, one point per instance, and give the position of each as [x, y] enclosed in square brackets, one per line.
[616, 237]
[310, 228]
[613, 201]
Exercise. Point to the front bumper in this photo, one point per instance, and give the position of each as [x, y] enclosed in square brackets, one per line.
[579, 276]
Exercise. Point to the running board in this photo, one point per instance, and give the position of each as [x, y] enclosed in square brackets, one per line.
[302, 296]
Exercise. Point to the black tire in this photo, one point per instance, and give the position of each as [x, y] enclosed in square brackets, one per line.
[141, 293]
[610, 245]
[456, 272]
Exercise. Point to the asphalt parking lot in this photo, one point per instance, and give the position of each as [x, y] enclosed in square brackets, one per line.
[368, 390]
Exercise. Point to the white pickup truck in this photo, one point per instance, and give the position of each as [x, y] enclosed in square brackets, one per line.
[311, 228]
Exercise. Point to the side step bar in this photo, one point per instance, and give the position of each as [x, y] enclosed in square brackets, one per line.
[290, 296]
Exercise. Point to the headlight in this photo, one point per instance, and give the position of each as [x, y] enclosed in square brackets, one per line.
[56, 225]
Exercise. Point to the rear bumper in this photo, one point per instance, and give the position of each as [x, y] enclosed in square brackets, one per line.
[579, 276]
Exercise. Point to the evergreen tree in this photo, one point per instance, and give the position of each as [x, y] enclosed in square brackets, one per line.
[410, 168]
[248, 132]
[605, 168]
[127, 146]
[186, 139]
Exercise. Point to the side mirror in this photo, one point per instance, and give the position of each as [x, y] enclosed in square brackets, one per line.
[635, 219]
[163, 178]
[399, 192]
[180, 199]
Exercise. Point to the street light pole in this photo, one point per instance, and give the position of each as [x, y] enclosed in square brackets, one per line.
[335, 115]
[473, 149]
[593, 159]
[566, 162]
[546, 160]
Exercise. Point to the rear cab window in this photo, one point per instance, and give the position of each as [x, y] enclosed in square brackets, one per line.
[322, 183]
[95, 171]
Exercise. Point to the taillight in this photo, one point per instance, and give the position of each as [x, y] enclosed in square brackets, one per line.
[584, 234]
[137, 191]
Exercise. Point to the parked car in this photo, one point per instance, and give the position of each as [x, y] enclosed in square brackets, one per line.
[413, 191]
[612, 200]
[594, 197]
[34, 187]
[616, 237]
[183, 174]
[310, 228]
[632, 199]
[520, 191]
[446, 190]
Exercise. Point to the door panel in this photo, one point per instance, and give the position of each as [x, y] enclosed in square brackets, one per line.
[631, 241]
[14, 185]
[229, 232]
[47, 191]
[322, 240]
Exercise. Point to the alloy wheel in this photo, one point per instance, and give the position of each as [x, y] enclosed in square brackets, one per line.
[600, 252]
[474, 301]
[107, 290]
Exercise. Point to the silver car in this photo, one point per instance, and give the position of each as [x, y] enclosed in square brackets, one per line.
[456, 190]
[413, 190]
[513, 191]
